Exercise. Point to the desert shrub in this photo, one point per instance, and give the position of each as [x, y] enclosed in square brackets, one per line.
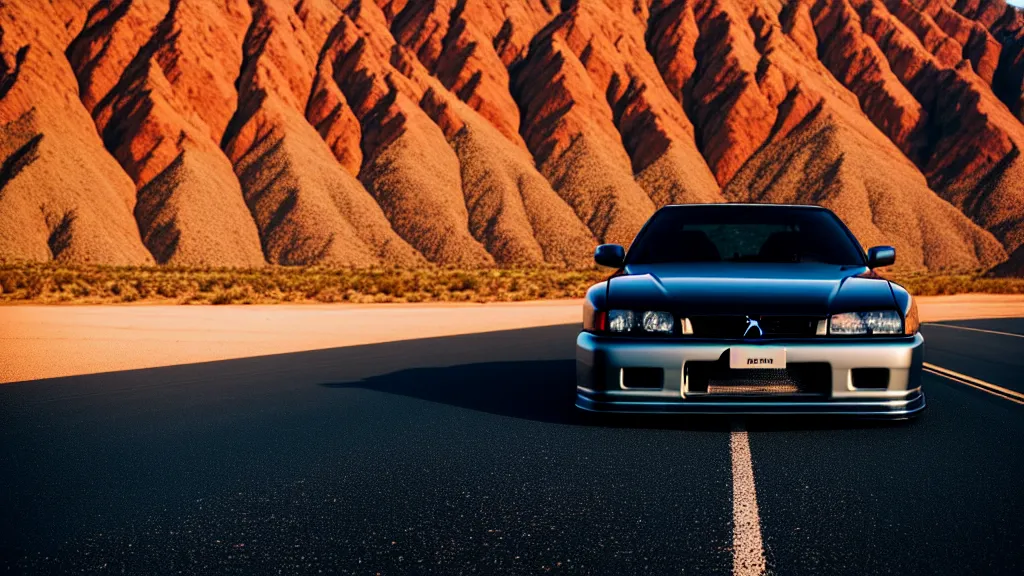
[45, 283]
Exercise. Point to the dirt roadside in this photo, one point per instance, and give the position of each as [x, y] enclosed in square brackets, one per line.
[51, 341]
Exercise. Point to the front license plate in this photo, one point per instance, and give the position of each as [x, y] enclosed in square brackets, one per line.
[756, 357]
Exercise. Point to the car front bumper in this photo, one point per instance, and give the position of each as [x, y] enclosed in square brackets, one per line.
[600, 361]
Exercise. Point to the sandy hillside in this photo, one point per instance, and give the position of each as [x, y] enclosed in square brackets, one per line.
[512, 132]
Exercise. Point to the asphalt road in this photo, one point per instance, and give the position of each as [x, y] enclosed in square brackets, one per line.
[461, 455]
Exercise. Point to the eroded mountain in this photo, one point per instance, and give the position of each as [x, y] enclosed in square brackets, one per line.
[508, 132]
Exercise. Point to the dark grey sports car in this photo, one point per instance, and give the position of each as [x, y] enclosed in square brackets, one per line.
[750, 309]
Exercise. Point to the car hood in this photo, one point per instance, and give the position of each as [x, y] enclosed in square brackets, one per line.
[750, 289]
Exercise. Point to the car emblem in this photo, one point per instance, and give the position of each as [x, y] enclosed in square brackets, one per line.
[753, 329]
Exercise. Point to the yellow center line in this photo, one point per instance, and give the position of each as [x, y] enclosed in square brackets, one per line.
[1011, 395]
[974, 329]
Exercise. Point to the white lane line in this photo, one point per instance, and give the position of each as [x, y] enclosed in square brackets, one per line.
[747, 548]
[1005, 393]
[974, 329]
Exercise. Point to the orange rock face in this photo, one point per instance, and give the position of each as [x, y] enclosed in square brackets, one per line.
[307, 207]
[161, 104]
[62, 196]
[512, 132]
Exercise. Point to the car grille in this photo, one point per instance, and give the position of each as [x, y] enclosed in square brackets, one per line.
[797, 379]
[735, 326]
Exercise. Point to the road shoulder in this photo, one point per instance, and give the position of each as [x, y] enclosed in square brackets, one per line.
[54, 341]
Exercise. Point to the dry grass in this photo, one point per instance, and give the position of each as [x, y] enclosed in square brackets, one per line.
[55, 284]
[924, 284]
[58, 284]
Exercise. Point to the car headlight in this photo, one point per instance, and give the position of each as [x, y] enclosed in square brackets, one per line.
[657, 322]
[875, 322]
[622, 321]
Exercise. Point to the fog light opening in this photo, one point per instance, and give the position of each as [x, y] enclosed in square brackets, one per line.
[642, 377]
[870, 378]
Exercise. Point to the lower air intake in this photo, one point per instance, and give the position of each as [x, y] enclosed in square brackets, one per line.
[642, 377]
[812, 379]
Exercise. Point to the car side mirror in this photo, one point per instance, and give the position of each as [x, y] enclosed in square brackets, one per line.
[881, 256]
[610, 255]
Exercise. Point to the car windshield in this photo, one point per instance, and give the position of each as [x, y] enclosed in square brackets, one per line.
[735, 233]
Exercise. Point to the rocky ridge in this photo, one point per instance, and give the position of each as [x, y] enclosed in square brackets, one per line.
[510, 132]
